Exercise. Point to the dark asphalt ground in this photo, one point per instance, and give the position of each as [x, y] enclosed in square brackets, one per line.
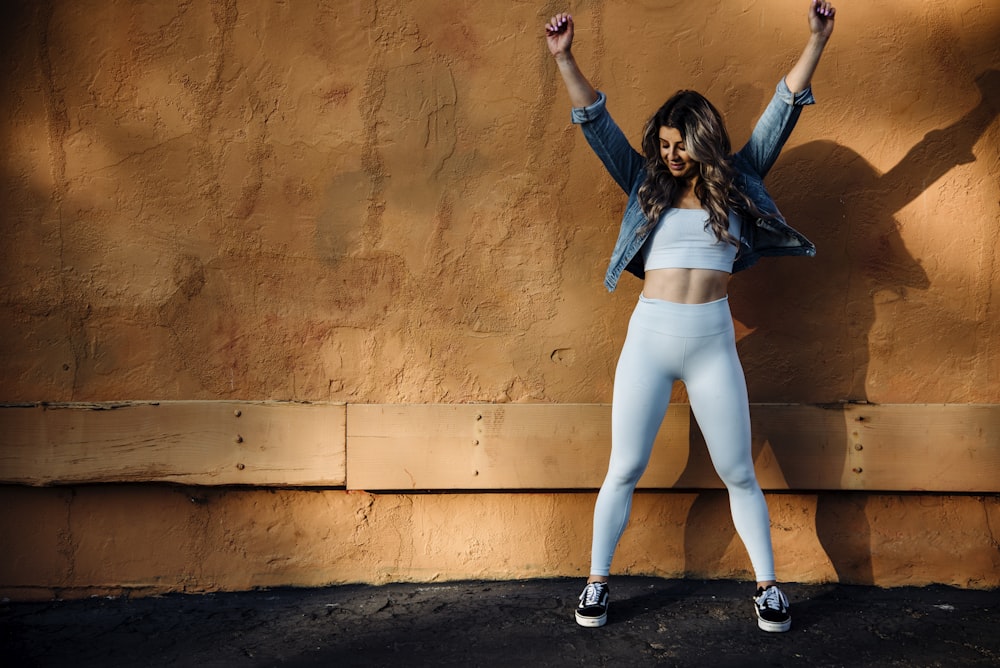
[652, 622]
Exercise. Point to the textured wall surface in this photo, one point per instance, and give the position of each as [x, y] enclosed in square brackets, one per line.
[386, 202]
[151, 539]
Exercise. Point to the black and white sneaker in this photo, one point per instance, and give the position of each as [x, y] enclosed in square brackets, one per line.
[772, 610]
[593, 608]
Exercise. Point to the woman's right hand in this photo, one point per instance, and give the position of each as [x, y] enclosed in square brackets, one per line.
[559, 34]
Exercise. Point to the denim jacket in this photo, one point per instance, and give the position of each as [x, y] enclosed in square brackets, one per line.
[758, 238]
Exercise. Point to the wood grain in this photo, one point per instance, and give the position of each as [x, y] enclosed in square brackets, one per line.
[400, 447]
[190, 442]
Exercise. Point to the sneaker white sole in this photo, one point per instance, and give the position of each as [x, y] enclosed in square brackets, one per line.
[773, 627]
[591, 622]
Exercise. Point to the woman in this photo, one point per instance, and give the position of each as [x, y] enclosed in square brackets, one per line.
[696, 213]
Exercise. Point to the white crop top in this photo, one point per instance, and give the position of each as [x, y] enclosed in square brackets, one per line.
[681, 240]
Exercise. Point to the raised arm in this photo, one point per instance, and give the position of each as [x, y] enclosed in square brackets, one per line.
[821, 15]
[559, 36]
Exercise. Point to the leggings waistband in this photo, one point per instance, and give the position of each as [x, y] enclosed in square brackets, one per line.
[686, 320]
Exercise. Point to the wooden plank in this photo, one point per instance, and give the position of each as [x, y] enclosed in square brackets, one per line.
[495, 446]
[952, 447]
[919, 447]
[935, 447]
[878, 447]
[190, 442]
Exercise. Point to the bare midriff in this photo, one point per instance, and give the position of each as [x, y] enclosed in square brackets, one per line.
[686, 286]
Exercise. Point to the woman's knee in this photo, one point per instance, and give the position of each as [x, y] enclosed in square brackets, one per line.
[738, 476]
[625, 473]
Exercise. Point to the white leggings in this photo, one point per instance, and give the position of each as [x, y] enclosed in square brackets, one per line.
[696, 344]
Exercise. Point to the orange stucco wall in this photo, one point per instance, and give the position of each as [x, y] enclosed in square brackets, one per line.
[386, 202]
[151, 539]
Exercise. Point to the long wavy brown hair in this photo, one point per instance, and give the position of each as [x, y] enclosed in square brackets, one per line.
[707, 142]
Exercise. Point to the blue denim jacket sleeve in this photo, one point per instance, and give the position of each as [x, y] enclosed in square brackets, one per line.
[771, 237]
[628, 168]
[773, 128]
[609, 143]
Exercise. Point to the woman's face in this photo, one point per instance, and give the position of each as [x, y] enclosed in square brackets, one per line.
[674, 155]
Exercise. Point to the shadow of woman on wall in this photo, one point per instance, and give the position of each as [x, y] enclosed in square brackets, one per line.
[810, 321]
